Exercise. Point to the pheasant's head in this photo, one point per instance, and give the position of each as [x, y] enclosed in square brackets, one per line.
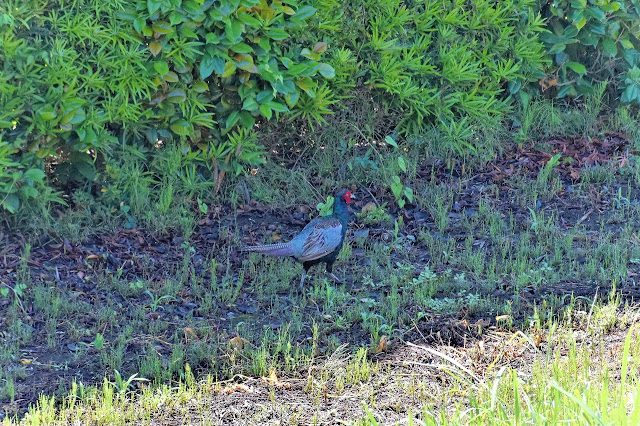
[346, 195]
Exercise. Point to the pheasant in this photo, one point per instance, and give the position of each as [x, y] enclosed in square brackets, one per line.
[320, 241]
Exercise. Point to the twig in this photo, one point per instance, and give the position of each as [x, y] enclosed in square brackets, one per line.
[583, 218]
[451, 360]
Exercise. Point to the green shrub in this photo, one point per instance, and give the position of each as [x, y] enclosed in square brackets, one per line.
[227, 55]
[432, 61]
[590, 42]
[17, 184]
[77, 78]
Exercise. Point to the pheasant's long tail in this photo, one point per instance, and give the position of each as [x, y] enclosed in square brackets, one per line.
[282, 249]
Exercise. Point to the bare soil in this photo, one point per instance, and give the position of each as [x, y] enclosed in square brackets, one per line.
[75, 269]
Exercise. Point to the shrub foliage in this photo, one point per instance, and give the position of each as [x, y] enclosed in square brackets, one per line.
[77, 77]
[592, 42]
[432, 60]
[81, 79]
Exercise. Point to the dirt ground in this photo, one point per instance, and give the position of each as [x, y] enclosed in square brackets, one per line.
[131, 254]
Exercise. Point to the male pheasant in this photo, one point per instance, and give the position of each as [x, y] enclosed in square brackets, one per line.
[320, 241]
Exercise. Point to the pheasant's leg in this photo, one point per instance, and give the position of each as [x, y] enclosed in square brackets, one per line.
[336, 279]
[304, 274]
[331, 274]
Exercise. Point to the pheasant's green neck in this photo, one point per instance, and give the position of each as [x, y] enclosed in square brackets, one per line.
[340, 209]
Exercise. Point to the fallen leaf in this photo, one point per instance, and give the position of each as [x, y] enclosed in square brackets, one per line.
[383, 345]
[537, 340]
[188, 331]
[547, 82]
[237, 342]
[502, 317]
[273, 380]
[369, 207]
[239, 387]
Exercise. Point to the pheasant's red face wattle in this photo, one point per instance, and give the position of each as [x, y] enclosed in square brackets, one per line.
[347, 197]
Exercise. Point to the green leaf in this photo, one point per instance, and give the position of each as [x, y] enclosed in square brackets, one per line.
[153, 6]
[408, 192]
[402, 164]
[567, 90]
[206, 66]
[307, 54]
[577, 67]
[578, 4]
[233, 30]
[229, 69]
[391, 142]
[78, 116]
[396, 187]
[514, 86]
[162, 27]
[596, 13]
[87, 170]
[216, 15]
[155, 47]
[10, 202]
[265, 110]
[557, 48]
[264, 96]
[613, 7]
[35, 175]
[249, 3]
[127, 14]
[304, 12]
[232, 119]
[176, 17]
[292, 98]
[277, 34]
[161, 67]
[242, 48]
[200, 86]
[176, 96]
[249, 20]
[250, 104]
[630, 94]
[626, 43]
[47, 112]
[327, 71]
[212, 38]
[192, 7]
[247, 119]
[171, 77]
[181, 127]
[284, 86]
[264, 44]
[28, 191]
[247, 66]
[277, 106]
[609, 46]
[632, 56]
[288, 63]
[596, 28]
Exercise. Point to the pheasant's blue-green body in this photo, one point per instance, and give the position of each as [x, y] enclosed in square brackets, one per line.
[320, 241]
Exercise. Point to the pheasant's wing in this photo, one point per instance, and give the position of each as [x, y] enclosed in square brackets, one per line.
[324, 238]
